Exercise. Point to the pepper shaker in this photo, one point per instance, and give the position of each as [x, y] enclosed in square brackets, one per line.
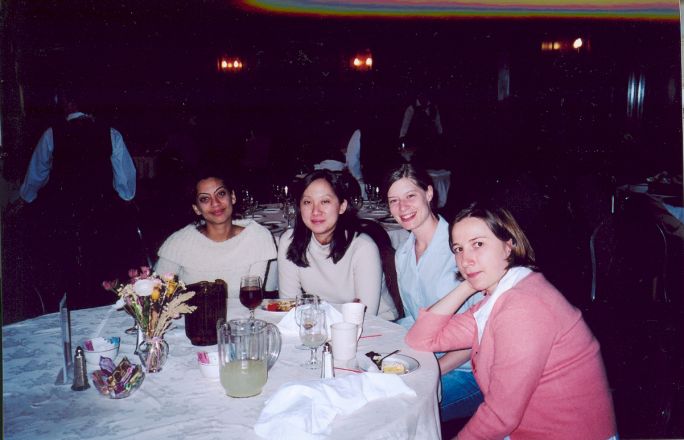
[80, 373]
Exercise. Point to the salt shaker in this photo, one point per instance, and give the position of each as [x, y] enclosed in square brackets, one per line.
[327, 371]
[80, 373]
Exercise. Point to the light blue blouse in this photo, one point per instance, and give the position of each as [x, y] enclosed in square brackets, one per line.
[38, 172]
[423, 283]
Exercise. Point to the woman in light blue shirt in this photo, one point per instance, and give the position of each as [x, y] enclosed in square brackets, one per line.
[426, 271]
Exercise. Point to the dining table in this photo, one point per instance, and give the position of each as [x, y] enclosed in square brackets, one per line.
[667, 209]
[179, 402]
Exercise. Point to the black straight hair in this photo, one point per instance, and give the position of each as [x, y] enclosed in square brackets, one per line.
[345, 230]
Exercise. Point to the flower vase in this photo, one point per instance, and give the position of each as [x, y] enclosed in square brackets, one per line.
[153, 353]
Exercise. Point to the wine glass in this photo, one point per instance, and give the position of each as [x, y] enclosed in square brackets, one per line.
[357, 203]
[313, 333]
[251, 294]
[131, 330]
[289, 213]
[304, 301]
[246, 202]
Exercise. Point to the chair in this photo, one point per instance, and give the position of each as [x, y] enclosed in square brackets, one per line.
[269, 283]
[374, 230]
[628, 254]
[631, 315]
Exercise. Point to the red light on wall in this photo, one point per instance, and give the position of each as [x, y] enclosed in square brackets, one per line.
[229, 64]
[362, 61]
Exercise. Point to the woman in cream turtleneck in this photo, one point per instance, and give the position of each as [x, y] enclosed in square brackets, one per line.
[216, 246]
[324, 254]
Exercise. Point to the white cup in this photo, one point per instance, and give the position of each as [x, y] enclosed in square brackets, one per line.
[344, 338]
[353, 312]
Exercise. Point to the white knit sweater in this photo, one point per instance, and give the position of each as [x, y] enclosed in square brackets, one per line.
[357, 275]
[195, 257]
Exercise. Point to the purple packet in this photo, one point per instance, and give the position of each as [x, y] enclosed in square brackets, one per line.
[107, 365]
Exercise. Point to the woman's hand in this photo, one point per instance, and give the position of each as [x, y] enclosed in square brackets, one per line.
[453, 300]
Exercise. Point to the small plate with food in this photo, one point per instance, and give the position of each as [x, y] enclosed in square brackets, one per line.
[392, 364]
[277, 305]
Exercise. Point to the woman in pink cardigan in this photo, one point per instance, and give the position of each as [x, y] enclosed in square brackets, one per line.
[534, 358]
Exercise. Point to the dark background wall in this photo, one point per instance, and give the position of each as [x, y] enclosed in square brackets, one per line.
[148, 60]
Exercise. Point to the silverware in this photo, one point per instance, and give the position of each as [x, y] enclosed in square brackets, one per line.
[379, 362]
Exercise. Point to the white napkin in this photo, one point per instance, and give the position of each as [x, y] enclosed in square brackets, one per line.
[288, 326]
[305, 410]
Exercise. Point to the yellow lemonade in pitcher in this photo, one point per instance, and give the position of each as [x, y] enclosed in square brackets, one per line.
[243, 378]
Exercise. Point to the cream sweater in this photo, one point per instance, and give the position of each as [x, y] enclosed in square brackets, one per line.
[194, 257]
[357, 275]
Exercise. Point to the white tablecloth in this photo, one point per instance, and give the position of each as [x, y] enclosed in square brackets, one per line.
[178, 402]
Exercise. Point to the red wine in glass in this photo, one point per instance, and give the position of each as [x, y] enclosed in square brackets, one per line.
[251, 294]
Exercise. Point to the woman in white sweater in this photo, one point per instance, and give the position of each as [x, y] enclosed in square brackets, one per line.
[325, 254]
[216, 246]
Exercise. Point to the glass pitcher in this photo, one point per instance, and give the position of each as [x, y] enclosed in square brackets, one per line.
[247, 349]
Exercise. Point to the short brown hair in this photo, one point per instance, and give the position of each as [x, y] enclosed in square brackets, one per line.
[504, 227]
[415, 174]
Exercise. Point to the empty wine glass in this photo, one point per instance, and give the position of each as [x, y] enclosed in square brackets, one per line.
[313, 333]
[357, 202]
[248, 202]
[251, 294]
[289, 213]
[304, 301]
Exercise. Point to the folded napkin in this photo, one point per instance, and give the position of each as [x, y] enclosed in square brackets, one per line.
[288, 326]
[305, 410]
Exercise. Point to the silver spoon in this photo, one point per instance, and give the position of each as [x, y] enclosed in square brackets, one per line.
[379, 361]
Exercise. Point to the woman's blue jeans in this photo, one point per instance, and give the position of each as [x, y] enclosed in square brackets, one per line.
[460, 395]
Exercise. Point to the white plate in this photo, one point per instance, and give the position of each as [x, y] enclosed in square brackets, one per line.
[409, 363]
[270, 210]
[266, 302]
[373, 214]
[388, 220]
[273, 222]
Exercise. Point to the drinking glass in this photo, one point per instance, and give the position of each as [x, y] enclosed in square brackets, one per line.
[304, 301]
[251, 294]
[289, 212]
[313, 333]
[248, 202]
[277, 192]
[357, 202]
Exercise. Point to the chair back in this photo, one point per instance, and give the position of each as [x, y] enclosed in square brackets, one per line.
[631, 316]
[629, 261]
[375, 230]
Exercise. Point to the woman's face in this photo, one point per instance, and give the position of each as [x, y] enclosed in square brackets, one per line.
[213, 201]
[409, 203]
[481, 257]
[320, 209]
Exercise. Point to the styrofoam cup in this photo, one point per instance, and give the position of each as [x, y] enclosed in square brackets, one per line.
[344, 339]
[353, 312]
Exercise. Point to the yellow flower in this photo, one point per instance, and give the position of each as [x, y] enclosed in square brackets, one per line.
[171, 287]
[155, 294]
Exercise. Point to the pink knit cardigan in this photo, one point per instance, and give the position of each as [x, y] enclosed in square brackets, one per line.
[538, 366]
